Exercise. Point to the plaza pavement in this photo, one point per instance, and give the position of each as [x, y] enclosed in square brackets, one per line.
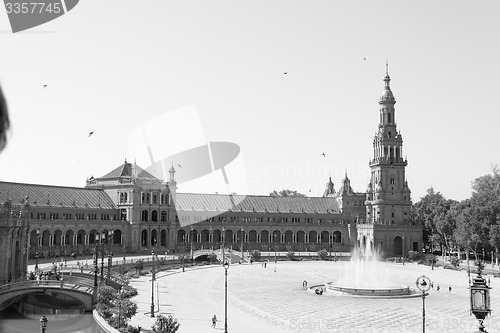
[272, 301]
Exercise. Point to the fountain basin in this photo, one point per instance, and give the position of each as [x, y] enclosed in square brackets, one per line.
[402, 292]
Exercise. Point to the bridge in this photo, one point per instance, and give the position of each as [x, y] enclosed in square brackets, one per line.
[231, 255]
[78, 288]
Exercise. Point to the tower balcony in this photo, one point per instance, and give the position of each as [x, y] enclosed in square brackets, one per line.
[389, 161]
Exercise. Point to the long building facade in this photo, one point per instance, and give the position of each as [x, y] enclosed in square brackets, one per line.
[129, 210]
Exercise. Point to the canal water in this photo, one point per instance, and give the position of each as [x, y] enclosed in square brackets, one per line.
[13, 322]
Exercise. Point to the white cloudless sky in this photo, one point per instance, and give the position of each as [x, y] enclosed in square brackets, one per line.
[112, 65]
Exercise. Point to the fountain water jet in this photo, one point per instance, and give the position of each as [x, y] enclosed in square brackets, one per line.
[364, 276]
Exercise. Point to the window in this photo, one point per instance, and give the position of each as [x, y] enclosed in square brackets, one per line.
[154, 198]
[393, 180]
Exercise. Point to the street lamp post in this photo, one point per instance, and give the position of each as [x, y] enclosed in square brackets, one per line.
[226, 266]
[223, 245]
[36, 250]
[191, 240]
[423, 284]
[120, 308]
[242, 240]
[480, 297]
[101, 246]
[43, 324]
[96, 269]
[275, 257]
[110, 262]
[153, 284]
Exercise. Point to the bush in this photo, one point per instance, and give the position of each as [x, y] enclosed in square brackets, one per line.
[139, 266]
[106, 294]
[129, 291]
[323, 254]
[414, 256]
[255, 255]
[129, 309]
[212, 257]
[430, 258]
[117, 321]
[455, 261]
[103, 310]
[165, 324]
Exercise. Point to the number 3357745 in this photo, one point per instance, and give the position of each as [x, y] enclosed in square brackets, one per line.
[32, 7]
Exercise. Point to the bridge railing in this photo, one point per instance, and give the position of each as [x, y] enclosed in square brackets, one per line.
[70, 283]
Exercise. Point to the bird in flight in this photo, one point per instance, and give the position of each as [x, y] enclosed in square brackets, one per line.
[285, 73]
[45, 86]
[179, 165]
[90, 133]
[323, 154]
[364, 58]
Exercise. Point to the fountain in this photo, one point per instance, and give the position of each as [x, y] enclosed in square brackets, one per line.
[364, 276]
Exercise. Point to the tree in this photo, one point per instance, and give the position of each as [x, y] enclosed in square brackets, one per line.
[287, 193]
[139, 265]
[255, 255]
[165, 324]
[323, 254]
[433, 212]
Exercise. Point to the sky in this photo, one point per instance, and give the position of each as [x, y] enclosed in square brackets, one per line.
[114, 66]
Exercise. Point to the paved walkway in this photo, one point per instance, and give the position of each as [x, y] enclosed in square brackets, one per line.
[272, 301]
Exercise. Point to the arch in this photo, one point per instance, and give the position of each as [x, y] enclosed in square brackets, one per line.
[313, 236]
[228, 237]
[252, 236]
[57, 237]
[104, 236]
[324, 237]
[80, 237]
[33, 238]
[163, 237]
[205, 236]
[337, 237]
[264, 236]
[194, 236]
[398, 246]
[117, 237]
[301, 236]
[217, 236]
[181, 236]
[154, 237]
[239, 235]
[288, 236]
[144, 237]
[45, 238]
[154, 216]
[84, 297]
[144, 215]
[93, 236]
[276, 237]
[68, 238]
[163, 215]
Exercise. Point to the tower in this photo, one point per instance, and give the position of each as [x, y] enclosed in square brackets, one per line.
[388, 196]
[388, 226]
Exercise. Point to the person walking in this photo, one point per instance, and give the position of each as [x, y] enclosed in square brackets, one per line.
[214, 321]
